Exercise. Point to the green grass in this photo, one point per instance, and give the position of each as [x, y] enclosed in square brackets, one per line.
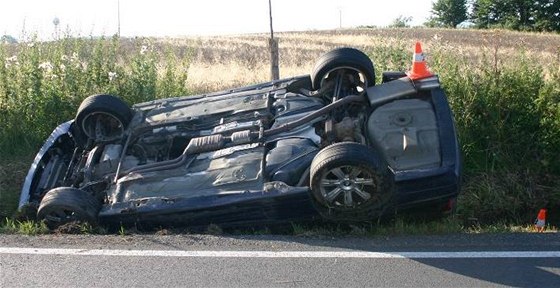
[400, 226]
[28, 227]
[403, 226]
[31, 227]
[508, 228]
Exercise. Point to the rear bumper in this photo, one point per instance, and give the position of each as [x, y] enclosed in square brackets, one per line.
[426, 190]
[439, 184]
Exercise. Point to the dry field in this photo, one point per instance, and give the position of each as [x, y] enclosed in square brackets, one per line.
[228, 61]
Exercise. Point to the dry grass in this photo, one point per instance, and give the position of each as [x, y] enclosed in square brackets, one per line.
[227, 61]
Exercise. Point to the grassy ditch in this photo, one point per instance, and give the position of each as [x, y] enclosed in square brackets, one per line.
[399, 226]
[503, 87]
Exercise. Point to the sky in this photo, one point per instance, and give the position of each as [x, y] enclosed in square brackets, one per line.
[200, 17]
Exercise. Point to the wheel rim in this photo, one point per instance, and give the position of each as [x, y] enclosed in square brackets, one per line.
[348, 186]
[102, 126]
[359, 84]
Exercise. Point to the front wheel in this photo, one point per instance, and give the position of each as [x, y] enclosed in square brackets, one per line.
[65, 204]
[349, 182]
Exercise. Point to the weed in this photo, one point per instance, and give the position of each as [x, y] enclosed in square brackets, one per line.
[32, 228]
[122, 231]
[9, 226]
[28, 227]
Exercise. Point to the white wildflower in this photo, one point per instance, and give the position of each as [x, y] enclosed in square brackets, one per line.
[80, 65]
[144, 49]
[62, 67]
[47, 66]
[30, 44]
[11, 61]
[74, 56]
[64, 58]
[112, 75]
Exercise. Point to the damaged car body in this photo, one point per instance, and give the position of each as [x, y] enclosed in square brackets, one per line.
[331, 144]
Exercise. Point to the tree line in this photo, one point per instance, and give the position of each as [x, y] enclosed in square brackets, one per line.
[529, 15]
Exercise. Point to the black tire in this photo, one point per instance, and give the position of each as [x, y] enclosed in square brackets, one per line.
[114, 113]
[349, 182]
[343, 58]
[65, 204]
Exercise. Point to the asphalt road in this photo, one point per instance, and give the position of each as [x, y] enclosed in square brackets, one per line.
[280, 261]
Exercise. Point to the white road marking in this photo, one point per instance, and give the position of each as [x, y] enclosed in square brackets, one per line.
[279, 254]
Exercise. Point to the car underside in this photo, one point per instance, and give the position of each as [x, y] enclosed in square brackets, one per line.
[331, 144]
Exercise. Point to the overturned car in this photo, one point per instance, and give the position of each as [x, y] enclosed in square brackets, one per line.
[330, 144]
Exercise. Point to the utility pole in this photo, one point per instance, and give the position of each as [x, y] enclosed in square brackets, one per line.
[339, 16]
[273, 45]
[270, 17]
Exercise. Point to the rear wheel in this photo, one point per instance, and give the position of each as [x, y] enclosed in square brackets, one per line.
[65, 204]
[346, 67]
[349, 182]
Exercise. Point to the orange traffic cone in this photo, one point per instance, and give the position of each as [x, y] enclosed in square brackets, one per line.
[541, 221]
[419, 69]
